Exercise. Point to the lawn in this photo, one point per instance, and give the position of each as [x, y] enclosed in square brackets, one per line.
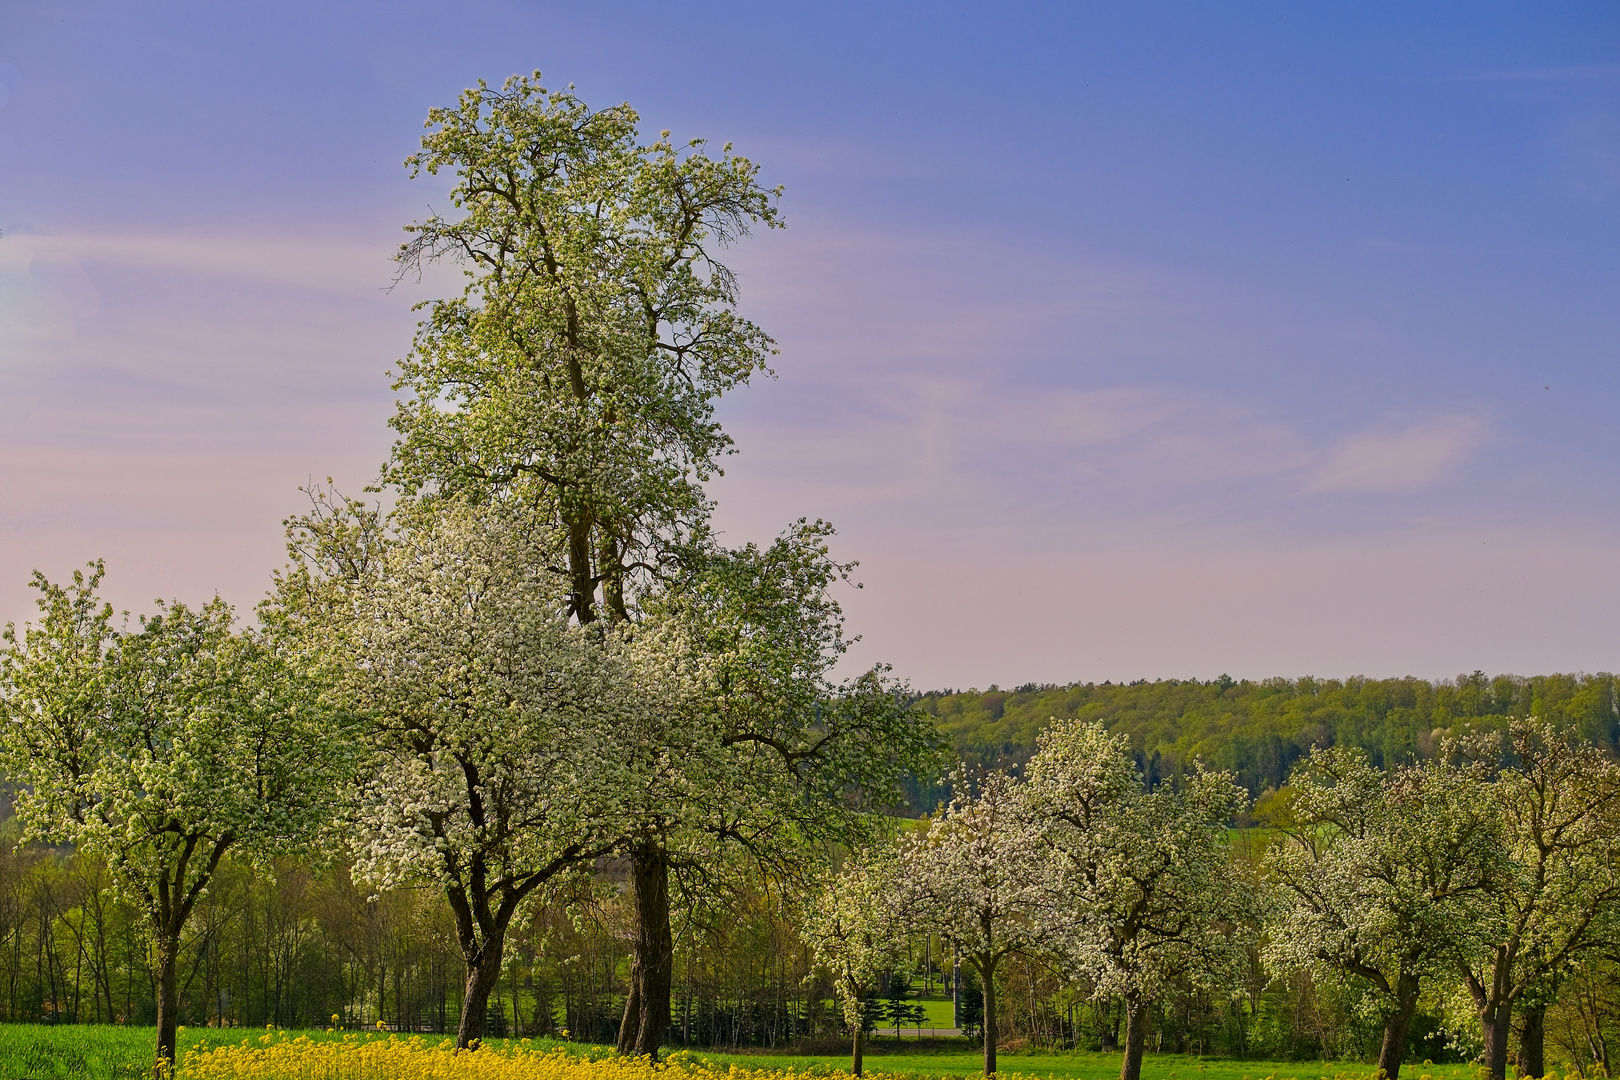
[890, 1056]
[96, 1052]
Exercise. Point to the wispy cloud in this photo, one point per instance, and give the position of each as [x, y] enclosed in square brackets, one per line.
[311, 261]
[1407, 458]
[44, 294]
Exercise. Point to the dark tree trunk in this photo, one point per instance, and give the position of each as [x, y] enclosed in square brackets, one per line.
[858, 1053]
[171, 905]
[1533, 1042]
[1495, 1021]
[609, 562]
[168, 999]
[483, 972]
[652, 968]
[1393, 1050]
[987, 976]
[1135, 1037]
[583, 598]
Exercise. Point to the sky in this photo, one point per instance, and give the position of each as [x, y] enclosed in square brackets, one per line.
[1118, 341]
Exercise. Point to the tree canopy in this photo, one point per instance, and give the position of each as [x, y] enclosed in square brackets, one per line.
[579, 369]
[160, 748]
[1259, 729]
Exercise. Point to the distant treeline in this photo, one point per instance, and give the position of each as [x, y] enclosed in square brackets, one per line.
[1258, 730]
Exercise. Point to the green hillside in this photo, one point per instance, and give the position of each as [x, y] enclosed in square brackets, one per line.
[1259, 729]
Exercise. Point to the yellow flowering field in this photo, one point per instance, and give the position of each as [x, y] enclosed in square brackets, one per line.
[278, 1056]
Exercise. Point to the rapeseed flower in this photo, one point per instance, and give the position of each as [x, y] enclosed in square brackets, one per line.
[403, 1057]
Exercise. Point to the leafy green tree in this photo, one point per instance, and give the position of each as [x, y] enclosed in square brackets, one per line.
[160, 749]
[577, 375]
[763, 753]
[1145, 890]
[579, 368]
[1381, 876]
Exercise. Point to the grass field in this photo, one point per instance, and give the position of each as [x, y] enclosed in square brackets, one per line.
[91, 1052]
[888, 1057]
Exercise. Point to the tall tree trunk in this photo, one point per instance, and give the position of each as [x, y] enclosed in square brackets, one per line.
[1533, 1042]
[652, 968]
[858, 1053]
[168, 998]
[956, 992]
[630, 1022]
[1495, 1022]
[1393, 1050]
[1135, 1036]
[483, 972]
[987, 977]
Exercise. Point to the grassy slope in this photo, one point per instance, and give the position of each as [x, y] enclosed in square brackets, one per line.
[99, 1052]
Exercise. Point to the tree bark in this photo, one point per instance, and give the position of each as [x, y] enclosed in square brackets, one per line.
[483, 971]
[168, 1000]
[1135, 1037]
[583, 596]
[646, 1014]
[987, 977]
[859, 1052]
[1533, 1042]
[1495, 1022]
[630, 1023]
[1393, 1050]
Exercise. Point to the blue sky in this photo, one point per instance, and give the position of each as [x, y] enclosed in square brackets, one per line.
[1119, 341]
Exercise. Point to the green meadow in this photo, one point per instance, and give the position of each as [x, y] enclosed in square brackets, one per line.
[105, 1052]
[887, 1056]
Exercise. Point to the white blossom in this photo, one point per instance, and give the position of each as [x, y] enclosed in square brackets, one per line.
[1380, 876]
[1142, 885]
[977, 878]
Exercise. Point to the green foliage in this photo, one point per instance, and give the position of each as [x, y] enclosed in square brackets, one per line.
[580, 367]
[1258, 730]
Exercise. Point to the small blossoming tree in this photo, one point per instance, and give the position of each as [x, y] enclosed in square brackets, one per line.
[1142, 887]
[976, 878]
[1380, 876]
[854, 925]
[160, 749]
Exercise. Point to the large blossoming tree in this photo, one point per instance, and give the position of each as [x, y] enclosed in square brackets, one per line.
[577, 375]
[499, 729]
[161, 748]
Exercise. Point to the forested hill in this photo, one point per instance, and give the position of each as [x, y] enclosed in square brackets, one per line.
[1259, 729]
